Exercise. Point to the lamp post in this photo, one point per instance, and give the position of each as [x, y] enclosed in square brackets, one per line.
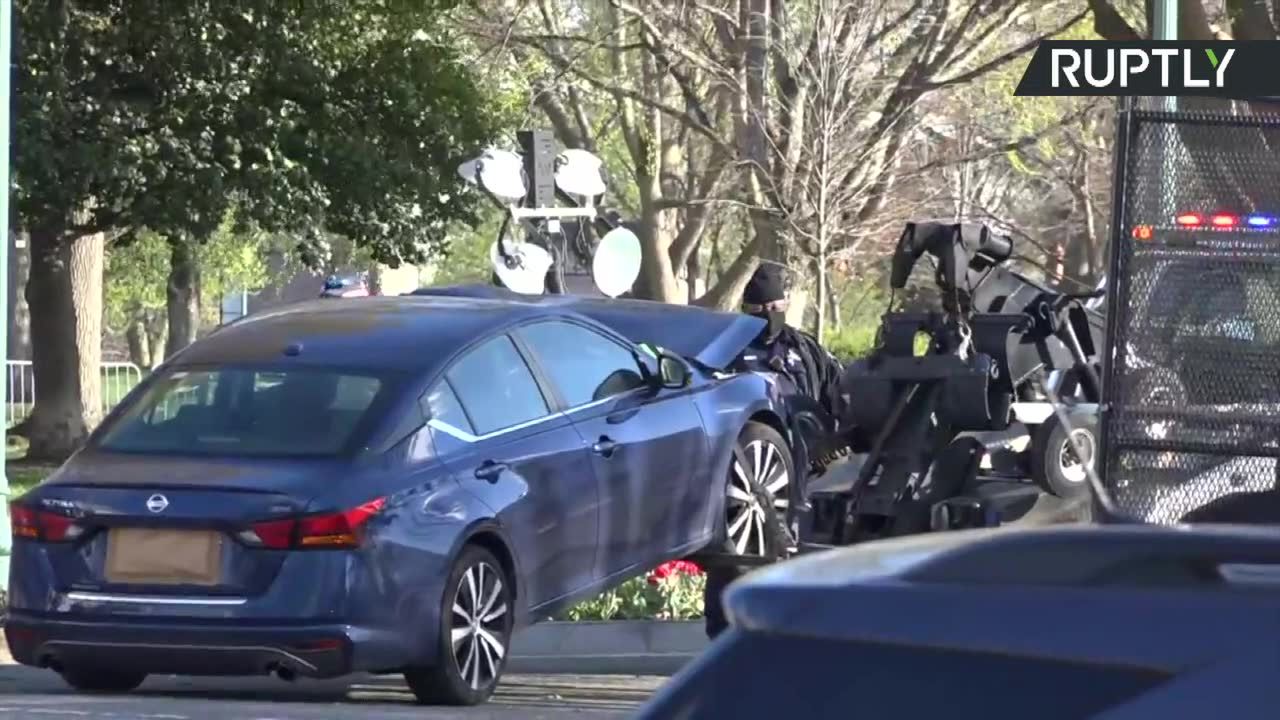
[1164, 21]
[6, 71]
[1164, 26]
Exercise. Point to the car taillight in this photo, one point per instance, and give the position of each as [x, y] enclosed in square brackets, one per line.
[331, 530]
[41, 525]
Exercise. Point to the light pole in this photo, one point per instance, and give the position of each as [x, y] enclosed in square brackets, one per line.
[1164, 26]
[6, 71]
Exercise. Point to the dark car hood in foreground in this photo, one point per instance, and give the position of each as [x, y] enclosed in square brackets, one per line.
[1090, 593]
[711, 337]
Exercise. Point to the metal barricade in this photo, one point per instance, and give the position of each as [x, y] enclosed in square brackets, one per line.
[118, 378]
[1191, 409]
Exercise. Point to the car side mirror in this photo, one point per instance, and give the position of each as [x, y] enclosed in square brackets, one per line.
[673, 373]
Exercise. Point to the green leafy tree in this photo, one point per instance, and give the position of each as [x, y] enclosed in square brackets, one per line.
[311, 118]
[467, 257]
[138, 276]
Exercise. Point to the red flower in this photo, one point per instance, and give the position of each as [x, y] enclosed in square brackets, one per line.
[673, 567]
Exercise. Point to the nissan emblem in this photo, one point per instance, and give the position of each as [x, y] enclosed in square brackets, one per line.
[157, 503]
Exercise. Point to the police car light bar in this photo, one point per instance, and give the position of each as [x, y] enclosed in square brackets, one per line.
[1223, 220]
[1215, 221]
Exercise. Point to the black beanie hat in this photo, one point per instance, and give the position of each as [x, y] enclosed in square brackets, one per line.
[765, 286]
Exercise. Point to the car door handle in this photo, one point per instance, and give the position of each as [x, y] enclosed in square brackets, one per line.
[604, 446]
[490, 470]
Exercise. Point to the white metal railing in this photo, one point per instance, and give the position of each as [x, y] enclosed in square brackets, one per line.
[118, 378]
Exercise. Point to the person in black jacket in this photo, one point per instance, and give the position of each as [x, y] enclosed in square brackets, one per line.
[787, 350]
[790, 352]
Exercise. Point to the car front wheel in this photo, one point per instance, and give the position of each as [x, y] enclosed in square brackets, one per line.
[758, 512]
[475, 634]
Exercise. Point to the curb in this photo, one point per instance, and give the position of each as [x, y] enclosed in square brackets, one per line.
[625, 647]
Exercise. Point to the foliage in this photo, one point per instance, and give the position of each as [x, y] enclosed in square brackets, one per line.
[732, 116]
[135, 277]
[673, 591]
[850, 342]
[136, 273]
[326, 115]
[466, 256]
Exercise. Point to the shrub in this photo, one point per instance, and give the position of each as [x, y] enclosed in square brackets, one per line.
[671, 591]
[850, 342]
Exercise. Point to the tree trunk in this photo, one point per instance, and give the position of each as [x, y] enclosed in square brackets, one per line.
[64, 339]
[822, 300]
[726, 294]
[157, 329]
[693, 271]
[182, 298]
[19, 312]
[136, 335]
[834, 299]
[87, 263]
[374, 279]
[657, 275]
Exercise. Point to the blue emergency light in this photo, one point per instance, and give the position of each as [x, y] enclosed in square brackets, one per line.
[1223, 220]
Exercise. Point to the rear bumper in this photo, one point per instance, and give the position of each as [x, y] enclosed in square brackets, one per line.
[315, 651]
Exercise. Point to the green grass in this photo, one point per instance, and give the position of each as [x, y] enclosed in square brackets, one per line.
[23, 475]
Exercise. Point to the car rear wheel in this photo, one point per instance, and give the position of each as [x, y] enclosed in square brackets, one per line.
[475, 634]
[758, 514]
[102, 680]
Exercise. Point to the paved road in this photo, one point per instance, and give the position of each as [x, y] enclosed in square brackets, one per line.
[40, 695]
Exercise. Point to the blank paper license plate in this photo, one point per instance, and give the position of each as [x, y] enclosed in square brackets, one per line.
[143, 556]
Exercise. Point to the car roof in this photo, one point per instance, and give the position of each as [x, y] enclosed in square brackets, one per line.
[395, 333]
[713, 338]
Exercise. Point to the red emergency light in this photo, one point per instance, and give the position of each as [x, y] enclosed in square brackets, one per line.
[1225, 220]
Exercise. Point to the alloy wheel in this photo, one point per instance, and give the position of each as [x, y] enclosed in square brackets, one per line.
[478, 634]
[1073, 467]
[765, 469]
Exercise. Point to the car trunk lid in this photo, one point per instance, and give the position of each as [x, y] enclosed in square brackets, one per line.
[177, 527]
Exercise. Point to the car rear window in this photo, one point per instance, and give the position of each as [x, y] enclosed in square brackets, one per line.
[245, 411]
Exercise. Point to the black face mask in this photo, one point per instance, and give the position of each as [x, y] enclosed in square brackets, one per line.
[776, 319]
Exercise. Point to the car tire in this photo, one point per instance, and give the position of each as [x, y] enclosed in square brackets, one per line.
[1054, 465]
[720, 575]
[746, 495]
[759, 502]
[100, 680]
[475, 638]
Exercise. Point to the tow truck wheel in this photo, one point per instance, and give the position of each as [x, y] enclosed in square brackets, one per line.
[1055, 466]
[758, 512]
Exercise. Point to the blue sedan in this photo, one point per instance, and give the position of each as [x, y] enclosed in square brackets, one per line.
[393, 485]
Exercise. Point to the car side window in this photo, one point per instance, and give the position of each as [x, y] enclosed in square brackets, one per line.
[495, 387]
[585, 365]
[441, 403]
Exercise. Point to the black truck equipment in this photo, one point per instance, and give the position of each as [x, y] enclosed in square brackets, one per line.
[920, 418]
